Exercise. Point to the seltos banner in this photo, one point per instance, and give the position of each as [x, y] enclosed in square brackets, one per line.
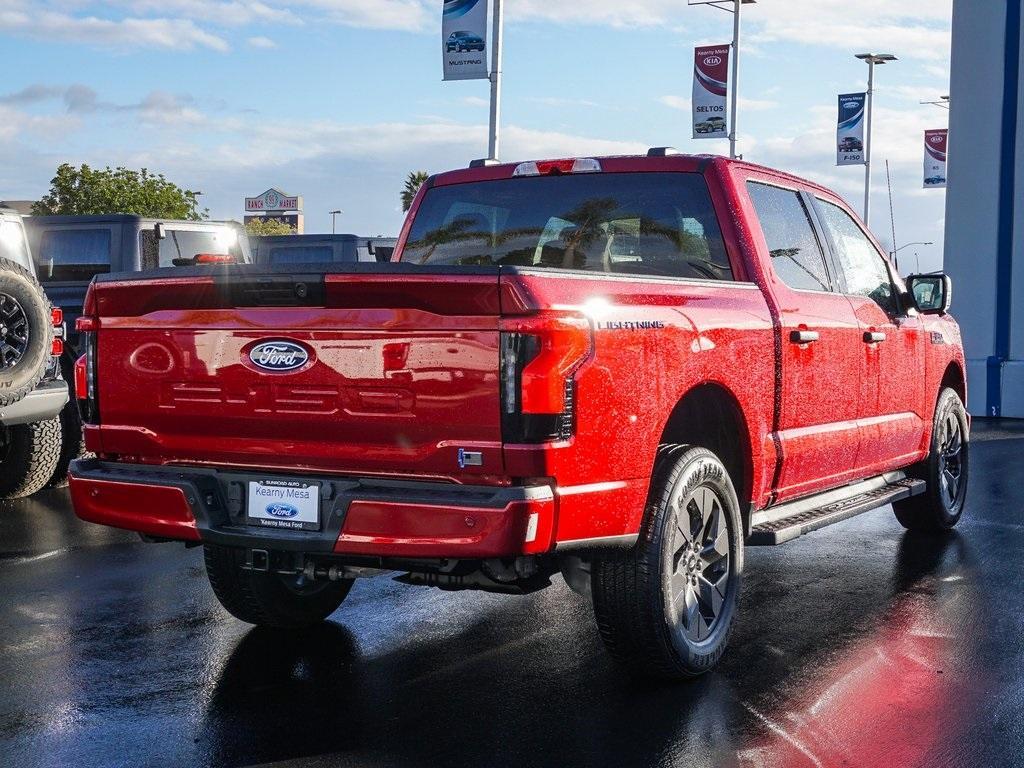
[710, 84]
[850, 134]
[935, 143]
[464, 39]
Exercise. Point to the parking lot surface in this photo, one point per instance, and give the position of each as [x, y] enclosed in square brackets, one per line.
[859, 645]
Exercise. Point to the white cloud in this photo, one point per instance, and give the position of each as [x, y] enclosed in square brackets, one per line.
[261, 42]
[181, 34]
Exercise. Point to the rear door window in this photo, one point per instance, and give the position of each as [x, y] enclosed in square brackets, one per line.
[73, 254]
[657, 224]
[186, 243]
[797, 256]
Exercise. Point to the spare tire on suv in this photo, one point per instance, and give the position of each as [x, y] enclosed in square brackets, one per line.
[26, 332]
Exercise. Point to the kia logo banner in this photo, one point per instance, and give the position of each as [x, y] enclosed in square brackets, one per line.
[464, 39]
[850, 134]
[935, 158]
[710, 84]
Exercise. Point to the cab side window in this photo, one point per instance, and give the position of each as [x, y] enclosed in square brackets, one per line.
[864, 270]
[797, 257]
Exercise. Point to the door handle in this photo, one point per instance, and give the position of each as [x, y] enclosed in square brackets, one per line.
[803, 337]
[873, 337]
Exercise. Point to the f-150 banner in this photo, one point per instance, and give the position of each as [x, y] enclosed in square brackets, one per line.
[850, 135]
[710, 83]
[464, 39]
[935, 158]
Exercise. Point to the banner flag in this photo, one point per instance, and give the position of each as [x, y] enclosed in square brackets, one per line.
[935, 143]
[850, 134]
[464, 39]
[710, 83]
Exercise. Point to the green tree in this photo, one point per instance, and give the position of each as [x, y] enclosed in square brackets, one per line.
[84, 191]
[415, 180]
[265, 227]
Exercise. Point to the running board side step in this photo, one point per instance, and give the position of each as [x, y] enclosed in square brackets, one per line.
[786, 522]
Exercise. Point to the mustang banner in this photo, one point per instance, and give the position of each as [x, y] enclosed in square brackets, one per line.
[710, 83]
[850, 134]
[464, 39]
[935, 143]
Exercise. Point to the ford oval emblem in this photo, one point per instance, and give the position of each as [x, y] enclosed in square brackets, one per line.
[278, 356]
[282, 510]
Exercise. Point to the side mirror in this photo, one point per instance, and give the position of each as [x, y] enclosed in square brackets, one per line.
[932, 294]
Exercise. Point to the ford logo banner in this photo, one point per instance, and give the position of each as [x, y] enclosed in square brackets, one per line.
[282, 510]
[278, 356]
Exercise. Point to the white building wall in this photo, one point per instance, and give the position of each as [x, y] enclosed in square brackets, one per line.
[973, 215]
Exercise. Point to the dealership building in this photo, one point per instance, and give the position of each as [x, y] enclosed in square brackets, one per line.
[985, 200]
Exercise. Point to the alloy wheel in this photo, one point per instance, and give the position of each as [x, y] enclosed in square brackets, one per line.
[13, 332]
[951, 460]
[698, 563]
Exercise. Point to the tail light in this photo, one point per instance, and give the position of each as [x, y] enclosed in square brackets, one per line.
[85, 372]
[539, 359]
[57, 319]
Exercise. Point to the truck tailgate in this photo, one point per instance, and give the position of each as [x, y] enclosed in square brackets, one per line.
[390, 371]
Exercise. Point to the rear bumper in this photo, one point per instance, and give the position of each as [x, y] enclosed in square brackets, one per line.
[41, 404]
[359, 516]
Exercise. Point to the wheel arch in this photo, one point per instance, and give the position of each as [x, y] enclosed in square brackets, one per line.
[954, 378]
[710, 416]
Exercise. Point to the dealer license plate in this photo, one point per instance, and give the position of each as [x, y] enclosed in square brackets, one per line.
[292, 504]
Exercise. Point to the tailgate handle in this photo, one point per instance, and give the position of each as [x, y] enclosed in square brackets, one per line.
[873, 337]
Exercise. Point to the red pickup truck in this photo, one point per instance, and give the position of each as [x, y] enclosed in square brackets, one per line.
[625, 369]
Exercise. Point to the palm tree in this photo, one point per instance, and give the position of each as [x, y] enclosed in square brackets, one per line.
[413, 183]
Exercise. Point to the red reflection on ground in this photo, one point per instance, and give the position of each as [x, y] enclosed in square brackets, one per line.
[892, 700]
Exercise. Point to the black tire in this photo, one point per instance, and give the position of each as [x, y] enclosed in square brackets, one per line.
[28, 454]
[641, 596]
[72, 438]
[26, 332]
[268, 599]
[946, 471]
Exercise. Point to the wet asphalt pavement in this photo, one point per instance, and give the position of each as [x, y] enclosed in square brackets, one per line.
[859, 645]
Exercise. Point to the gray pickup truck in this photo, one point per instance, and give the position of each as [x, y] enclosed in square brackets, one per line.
[32, 391]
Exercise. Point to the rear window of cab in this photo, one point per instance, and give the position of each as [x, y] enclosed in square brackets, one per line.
[641, 224]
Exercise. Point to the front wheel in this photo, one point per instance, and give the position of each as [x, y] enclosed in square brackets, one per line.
[270, 599]
[945, 471]
[665, 608]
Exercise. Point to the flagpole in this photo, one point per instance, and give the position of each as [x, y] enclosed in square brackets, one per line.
[495, 126]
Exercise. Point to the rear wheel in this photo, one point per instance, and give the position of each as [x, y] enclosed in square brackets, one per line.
[72, 437]
[270, 599]
[665, 609]
[28, 455]
[945, 471]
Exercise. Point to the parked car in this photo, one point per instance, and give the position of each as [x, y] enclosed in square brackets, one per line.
[711, 125]
[32, 392]
[298, 249]
[70, 250]
[464, 41]
[851, 144]
[622, 369]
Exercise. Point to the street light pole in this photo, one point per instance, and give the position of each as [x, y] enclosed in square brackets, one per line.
[735, 77]
[495, 126]
[334, 215]
[897, 261]
[871, 59]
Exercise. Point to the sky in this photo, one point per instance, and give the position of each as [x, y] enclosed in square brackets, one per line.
[337, 100]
